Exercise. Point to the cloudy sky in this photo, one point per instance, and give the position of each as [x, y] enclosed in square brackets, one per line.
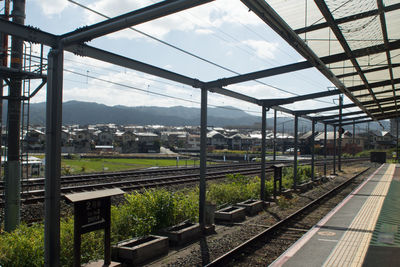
[223, 32]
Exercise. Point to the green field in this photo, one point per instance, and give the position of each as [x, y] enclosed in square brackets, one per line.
[86, 165]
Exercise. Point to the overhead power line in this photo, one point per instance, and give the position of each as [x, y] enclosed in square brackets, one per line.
[180, 49]
[146, 91]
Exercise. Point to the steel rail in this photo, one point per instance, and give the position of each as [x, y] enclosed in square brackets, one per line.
[35, 196]
[227, 257]
[82, 178]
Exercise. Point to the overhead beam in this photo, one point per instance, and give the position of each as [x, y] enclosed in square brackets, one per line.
[368, 70]
[357, 122]
[85, 50]
[379, 93]
[386, 42]
[345, 119]
[115, 59]
[226, 92]
[309, 111]
[301, 65]
[387, 115]
[6, 72]
[34, 35]
[382, 101]
[270, 17]
[37, 36]
[373, 85]
[354, 17]
[28, 33]
[289, 100]
[130, 19]
[375, 112]
[322, 118]
[342, 40]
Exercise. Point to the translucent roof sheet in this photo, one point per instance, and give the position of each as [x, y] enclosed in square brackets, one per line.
[352, 27]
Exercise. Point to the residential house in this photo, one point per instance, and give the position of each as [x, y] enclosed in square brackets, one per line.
[148, 142]
[216, 140]
[239, 142]
[349, 144]
[82, 140]
[174, 139]
[34, 140]
[193, 142]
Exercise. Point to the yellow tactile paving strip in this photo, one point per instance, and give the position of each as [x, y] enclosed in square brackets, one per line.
[352, 247]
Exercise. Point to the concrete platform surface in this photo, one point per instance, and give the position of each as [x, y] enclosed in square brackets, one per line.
[363, 230]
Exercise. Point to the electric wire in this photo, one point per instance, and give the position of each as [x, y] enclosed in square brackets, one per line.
[189, 53]
[150, 92]
[146, 78]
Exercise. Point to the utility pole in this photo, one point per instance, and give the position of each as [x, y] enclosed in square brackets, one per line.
[13, 166]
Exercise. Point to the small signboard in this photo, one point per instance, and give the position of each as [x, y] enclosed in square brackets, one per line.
[277, 178]
[92, 211]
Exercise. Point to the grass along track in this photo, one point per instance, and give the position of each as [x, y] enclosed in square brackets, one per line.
[264, 247]
[33, 192]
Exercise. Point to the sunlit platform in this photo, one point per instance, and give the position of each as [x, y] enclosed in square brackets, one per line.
[363, 230]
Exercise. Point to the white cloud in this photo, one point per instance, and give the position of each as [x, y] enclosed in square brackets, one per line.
[52, 7]
[200, 20]
[204, 31]
[263, 49]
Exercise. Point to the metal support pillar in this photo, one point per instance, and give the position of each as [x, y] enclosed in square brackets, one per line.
[13, 173]
[340, 133]
[325, 150]
[334, 150]
[397, 139]
[3, 58]
[312, 150]
[274, 156]
[296, 126]
[203, 158]
[354, 136]
[263, 151]
[4, 63]
[53, 158]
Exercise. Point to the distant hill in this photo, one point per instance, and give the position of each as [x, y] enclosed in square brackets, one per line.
[83, 113]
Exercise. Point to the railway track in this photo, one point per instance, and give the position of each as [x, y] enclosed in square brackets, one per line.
[136, 180]
[259, 249]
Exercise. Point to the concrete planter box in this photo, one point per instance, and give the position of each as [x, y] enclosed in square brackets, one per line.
[310, 184]
[305, 186]
[317, 180]
[183, 233]
[252, 206]
[139, 250]
[287, 193]
[230, 214]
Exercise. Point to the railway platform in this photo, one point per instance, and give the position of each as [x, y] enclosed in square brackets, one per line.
[363, 230]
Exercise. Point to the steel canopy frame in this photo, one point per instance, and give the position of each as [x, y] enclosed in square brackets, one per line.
[303, 65]
[345, 119]
[356, 122]
[354, 17]
[327, 117]
[121, 22]
[270, 17]
[74, 42]
[339, 35]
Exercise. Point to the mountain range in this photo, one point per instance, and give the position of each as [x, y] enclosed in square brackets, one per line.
[84, 113]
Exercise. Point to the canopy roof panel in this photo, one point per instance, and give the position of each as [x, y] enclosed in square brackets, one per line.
[341, 26]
